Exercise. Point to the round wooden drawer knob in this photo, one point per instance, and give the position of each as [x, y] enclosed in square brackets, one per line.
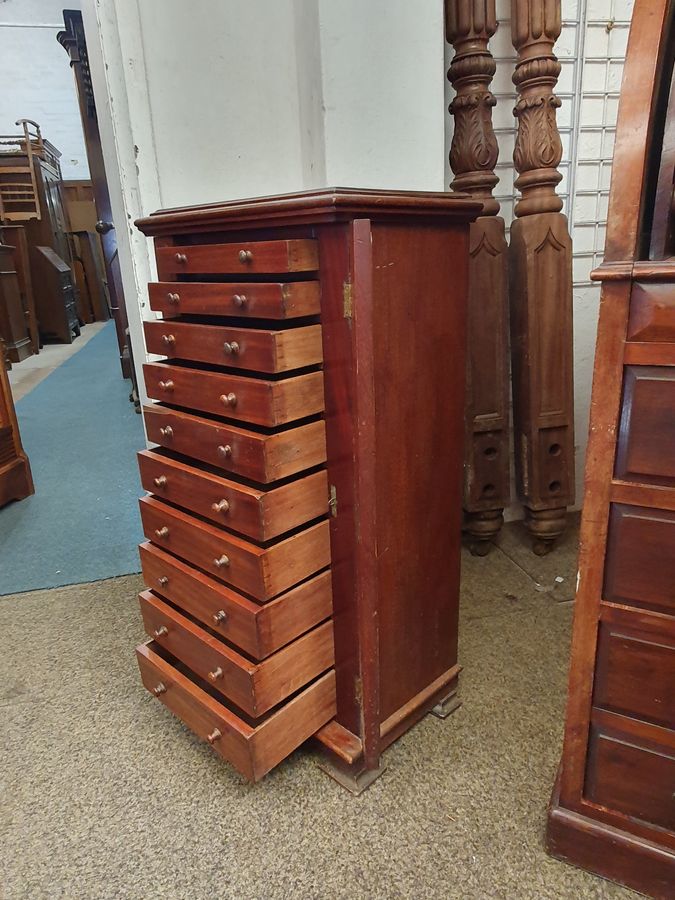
[239, 300]
[231, 348]
[222, 562]
[220, 617]
[168, 339]
[160, 481]
[159, 689]
[216, 674]
[214, 736]
[229, 399]
[161, 631]
[166, 385]
[162, 532]
[245, 256]
[221, 507]
[173, 298]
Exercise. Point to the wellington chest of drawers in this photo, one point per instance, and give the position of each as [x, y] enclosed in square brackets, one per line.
[303, 517]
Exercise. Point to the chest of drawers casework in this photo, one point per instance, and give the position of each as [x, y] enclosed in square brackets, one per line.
[303, 520]
[613, 806]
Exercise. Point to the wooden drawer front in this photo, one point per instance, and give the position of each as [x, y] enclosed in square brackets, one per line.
[260, 457]
[262, 515]
[260, 257]
[254, 687]
[248, 299]
[259, 350]
[261, 572]
[253, 750]
[258, 630]
[652, 313]
[254, 400]
[632, 779]
[635, 675]
[640, 561]
[645, 450]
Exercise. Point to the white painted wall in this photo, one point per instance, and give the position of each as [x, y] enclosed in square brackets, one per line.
[383, 91]
[37, 82]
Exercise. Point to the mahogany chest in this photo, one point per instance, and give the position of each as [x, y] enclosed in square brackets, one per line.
[303, 517]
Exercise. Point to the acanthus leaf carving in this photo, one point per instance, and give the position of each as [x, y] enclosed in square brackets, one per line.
[474, 151]
[535, 26]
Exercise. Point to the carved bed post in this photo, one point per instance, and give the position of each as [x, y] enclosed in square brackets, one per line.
[473, 156]
[540, 284]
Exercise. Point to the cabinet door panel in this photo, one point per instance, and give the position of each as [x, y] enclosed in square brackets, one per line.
[646, 447]
[640, 565]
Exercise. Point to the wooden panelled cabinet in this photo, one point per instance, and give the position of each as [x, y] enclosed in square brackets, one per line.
[14, 326]
[613, 809]
[304, 519]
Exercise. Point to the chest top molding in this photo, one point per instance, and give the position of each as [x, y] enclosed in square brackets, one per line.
[326, 205]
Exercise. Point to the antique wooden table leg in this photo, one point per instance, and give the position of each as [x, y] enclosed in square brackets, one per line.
[541, 284]
[473, 156]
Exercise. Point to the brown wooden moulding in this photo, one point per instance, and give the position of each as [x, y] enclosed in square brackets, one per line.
[540, 284]
[612, 810]
[487, 490]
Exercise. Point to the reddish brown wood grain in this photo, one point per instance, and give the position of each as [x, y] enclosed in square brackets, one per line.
[261, 456]
[254, 400]
[243, 257]
[255, 687]
[613, 809]
[263, 350]
[391, 319]
[243, 300]
[260, 514]
[258, 629]
[253, 750]
[261, 572]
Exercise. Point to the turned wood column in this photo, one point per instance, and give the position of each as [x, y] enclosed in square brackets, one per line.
[540, 284]
[469, 26]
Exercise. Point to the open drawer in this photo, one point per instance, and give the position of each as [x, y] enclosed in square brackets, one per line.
[252, 749]
[255, 687]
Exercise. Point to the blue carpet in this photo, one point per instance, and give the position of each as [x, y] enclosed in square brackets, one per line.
[81, 435]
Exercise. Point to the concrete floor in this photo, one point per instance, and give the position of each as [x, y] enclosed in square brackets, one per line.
[106, 795]
[27, 374]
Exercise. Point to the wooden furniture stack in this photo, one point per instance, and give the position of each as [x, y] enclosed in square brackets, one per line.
[613, 809]
[16, 481]
[304, 511]
[30, 194]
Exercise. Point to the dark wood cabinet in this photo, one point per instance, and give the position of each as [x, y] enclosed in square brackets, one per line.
[14, 325]
[31, 193]
[306, 490]
[613, 809]
[55, 294]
